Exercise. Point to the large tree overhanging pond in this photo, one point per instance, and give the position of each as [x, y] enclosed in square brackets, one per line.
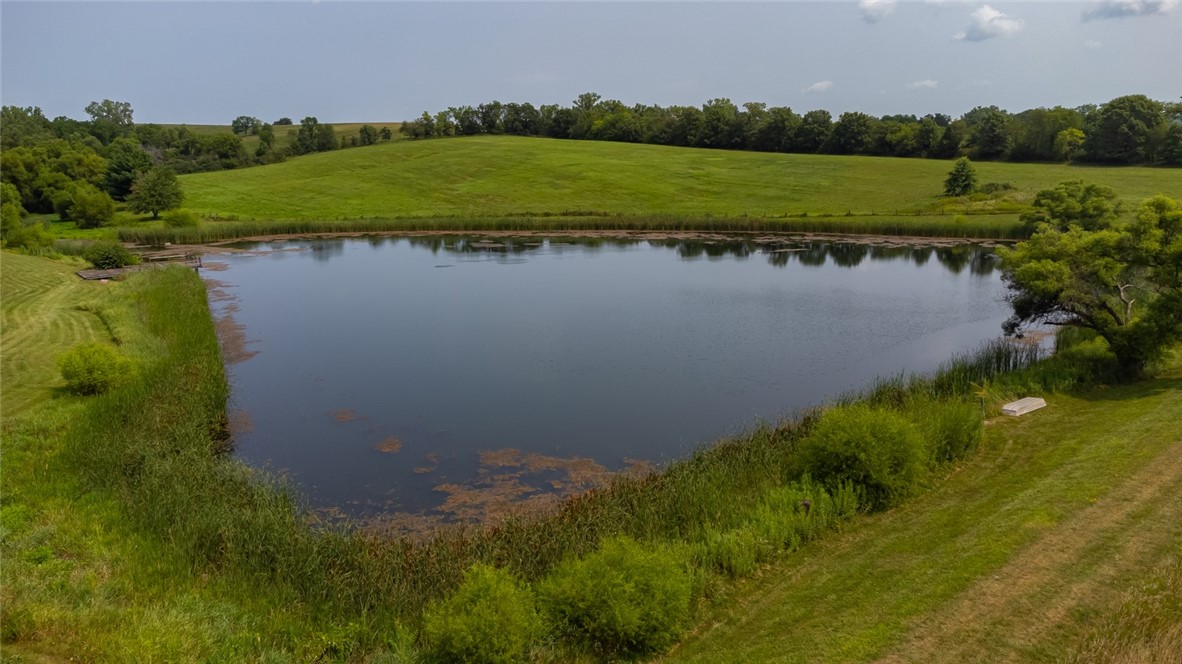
[452, 377]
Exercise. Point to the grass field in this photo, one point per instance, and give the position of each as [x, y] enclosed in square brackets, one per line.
[493, 176]
[1061, 539]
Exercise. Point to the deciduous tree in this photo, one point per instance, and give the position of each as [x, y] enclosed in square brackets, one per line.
[1123, 283]
[155, 191]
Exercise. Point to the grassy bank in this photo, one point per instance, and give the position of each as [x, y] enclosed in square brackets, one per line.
[127, 533]
[504, 176]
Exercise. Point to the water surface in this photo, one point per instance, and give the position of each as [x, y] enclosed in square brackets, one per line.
[396, 374]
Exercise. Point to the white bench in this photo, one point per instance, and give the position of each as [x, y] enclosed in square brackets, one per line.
[1023, 406]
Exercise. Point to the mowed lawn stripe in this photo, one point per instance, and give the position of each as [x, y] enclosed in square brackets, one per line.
[912, 584]
[40, 318]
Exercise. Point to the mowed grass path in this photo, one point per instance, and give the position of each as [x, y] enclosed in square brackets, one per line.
[40, 320]
[505, 175]
[1043, 544]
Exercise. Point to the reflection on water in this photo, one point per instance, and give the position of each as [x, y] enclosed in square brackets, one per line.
[530, 368]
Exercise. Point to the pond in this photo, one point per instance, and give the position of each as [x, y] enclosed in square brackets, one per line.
[444, 378]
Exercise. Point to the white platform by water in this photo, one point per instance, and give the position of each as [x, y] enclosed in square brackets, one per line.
[1023, 406]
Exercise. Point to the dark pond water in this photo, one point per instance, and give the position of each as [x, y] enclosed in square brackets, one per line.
[454, 375]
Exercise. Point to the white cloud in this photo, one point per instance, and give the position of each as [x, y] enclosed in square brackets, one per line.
[1092, 44]
[926, 83]
[874, 11]
[819, 86]
[1125, 8]
[989, 23]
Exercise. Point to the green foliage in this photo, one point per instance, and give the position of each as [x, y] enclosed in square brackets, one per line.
[181, 219]
[107, 255]
[625, 598]
[878, 450]
[952, 428]
[155, 191]
[962, 179]
[1073, 203]
[1124, 284]
[244, 125]
[1069, 144]
[93, 368]
[126, 159]
[1123, 130]
[490, 618]
[90, 207]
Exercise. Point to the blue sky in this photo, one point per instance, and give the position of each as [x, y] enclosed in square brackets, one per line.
[376, 61]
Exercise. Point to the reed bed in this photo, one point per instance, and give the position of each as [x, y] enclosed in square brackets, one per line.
[981, 227]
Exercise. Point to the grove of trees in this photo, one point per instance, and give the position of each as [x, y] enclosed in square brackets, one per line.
[1127, 130]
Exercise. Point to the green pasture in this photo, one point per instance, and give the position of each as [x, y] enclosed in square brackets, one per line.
[494, 176]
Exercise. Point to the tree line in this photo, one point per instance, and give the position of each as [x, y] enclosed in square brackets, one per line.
[1132, 129]
[80, 169]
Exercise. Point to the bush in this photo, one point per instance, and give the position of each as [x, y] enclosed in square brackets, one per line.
[996, 187]
[623, 599]
[878, 450]
[92, 208]
[108, 255]
[93, 368]
[491, 618]
[181, 219]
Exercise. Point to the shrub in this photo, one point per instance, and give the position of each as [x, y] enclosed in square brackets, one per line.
[951, 428]
[30, 237]
[181, 219]
[623, 599]
[491, 618]
[735, 553]
[996, 187]
[92, 208]
[93, 368]
[107, 255]
[877, 450]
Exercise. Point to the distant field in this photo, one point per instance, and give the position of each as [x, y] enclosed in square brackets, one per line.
[504, 175]
[284, 133]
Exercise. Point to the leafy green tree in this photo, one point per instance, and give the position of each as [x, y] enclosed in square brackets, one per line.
[267, 136]
[283, 122]
[962, 179]
[1122, 130]
[126, 159]
[989, 138]
[110, 119]
[92, 208]
[853, 133]
[386, 134]
[813, 131]
[1069, 144]
[1171, 148]
[367, 135]
[720, 125]
[1125, 284]
[155, 191]
[1073, 203]
[23, 126]
[245, 125]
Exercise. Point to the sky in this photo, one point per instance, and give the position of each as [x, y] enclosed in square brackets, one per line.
[209, 62]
